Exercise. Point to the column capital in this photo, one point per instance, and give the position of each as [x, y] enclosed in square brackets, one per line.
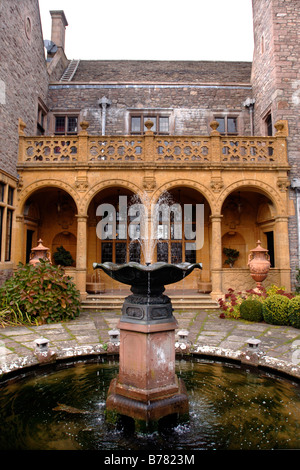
[81, 217]
[20, 218]
[281, 218]
[216, 217]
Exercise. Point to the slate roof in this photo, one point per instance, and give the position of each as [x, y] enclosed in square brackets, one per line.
[162, 71]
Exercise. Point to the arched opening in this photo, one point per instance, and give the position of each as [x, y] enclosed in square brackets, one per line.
[116, 233]
[186, 238]
[248, 216]
[49, 214]
[108, 234]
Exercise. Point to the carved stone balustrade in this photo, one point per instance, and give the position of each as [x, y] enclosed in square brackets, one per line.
[155, 149]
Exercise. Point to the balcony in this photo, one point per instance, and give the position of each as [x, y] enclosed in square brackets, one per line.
[149, 149]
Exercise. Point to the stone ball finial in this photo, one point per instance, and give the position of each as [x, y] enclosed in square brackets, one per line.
[149, 124]
[214, 126]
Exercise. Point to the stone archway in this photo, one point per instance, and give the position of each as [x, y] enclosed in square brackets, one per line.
[250, 214]
[47, 211]
[194, 242]
[108, 237]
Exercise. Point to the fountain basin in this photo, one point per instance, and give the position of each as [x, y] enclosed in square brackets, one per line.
[231, 408]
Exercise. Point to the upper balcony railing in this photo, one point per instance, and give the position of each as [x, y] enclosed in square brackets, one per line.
[158, 149]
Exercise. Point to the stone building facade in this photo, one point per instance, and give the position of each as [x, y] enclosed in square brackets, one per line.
[23, 92]
[276, 88]
[220, 135]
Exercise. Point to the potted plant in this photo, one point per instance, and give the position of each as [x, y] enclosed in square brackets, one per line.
[232, 255]
[63, 257]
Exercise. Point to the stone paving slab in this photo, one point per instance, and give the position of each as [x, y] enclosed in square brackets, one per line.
[208, 334]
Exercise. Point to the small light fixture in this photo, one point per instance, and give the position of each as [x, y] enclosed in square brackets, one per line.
[182, 335]
[253, 343]
[114, 335]
[41, 345]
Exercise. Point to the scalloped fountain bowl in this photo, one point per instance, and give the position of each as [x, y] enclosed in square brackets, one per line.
[147, 304]
[147, 278]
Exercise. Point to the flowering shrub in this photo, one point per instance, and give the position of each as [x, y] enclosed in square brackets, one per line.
[39, 294]
[272, 290]
[230, 305]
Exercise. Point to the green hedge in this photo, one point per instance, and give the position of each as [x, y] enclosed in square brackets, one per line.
[276, 310]
[251, 310]
[294, 312]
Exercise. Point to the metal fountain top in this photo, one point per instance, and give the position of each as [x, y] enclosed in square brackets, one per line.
[150, 277]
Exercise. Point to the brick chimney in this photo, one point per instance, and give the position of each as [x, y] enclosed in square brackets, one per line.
[59, 23]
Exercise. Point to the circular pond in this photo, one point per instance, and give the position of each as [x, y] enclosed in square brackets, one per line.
[231, 407]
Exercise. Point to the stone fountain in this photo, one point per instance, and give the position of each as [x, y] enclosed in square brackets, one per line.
[147, 388]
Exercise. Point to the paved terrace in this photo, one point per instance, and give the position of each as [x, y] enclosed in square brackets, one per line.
[88, 335]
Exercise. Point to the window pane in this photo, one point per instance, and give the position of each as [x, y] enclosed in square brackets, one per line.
[150, 118]
[221, 127]
[106, 252]
[269, 125]
[176, 253]
[60, 124]
[135, 252]
[232, 126]
[72, 124]
[10, 197]
[164, 125]
[135, 124]
[2, 186]
[8, 235]
[162, 252]
[120, 253]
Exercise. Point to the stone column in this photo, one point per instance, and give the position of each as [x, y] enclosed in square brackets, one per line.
[81, 256]
[216, 256]
[19, 247]
[282, 251]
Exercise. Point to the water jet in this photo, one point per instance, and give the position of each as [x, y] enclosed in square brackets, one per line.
[147, 388]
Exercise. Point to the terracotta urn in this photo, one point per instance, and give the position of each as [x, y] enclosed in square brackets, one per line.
[39, 252]
[259, 263]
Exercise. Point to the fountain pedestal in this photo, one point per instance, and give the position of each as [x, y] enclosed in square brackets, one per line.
[147, 388]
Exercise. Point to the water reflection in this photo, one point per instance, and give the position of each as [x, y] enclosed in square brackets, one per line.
[230, 408]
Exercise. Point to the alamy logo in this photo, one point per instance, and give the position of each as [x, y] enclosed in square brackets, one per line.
[160, 221]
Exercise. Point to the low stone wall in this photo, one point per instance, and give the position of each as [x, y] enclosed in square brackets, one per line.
[239, 279]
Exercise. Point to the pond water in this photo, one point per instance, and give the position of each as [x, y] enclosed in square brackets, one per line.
[230, 408]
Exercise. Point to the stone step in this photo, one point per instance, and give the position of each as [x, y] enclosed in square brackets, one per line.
[113, 302]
